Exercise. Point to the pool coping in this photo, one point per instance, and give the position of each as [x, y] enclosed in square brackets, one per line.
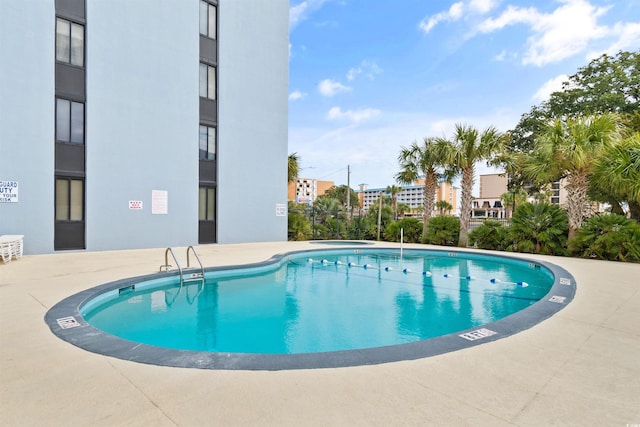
[66, 322]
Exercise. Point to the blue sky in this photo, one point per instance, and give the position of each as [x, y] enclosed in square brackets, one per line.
[370, 76]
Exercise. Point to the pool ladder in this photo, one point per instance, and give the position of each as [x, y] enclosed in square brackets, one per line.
[196, 274]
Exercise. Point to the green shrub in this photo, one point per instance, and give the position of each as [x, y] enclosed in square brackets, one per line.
[412, 230]
[443, 230]
[539, 228]
[490, 235]
[609, 237]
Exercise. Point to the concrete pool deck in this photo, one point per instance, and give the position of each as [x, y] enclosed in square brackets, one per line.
[581, 366]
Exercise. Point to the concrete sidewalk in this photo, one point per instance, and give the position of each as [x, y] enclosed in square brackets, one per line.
[580, 367]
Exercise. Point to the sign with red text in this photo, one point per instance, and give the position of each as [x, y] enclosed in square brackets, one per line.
[135, 205]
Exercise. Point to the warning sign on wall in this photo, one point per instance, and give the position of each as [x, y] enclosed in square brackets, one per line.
[8, 191]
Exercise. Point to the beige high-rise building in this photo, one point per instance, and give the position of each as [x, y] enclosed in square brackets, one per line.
[489, 204]
[306, 190]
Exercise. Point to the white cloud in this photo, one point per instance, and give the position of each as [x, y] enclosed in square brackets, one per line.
[482, 6]
[296, 95]
[569, 29]
[367, 68]
[627, 37]
[453, 14]
[550, 86]
[352, 116]
[555, 36]
[330, 87]
[302, 10]
[458, 11]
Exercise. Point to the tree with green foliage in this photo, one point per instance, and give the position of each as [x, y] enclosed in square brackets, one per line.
[616, 175]
[539, 228]
[461, 154]
[443, 206]
[340, 194]
[607, 84]
[426, 160]
[299, 227]
[393, 191]
[568, 149]
[386, 214]
[512, 199]
[293, 167]
[443, 230]
[402, 208]
[609, 237]
[490, 235]
[361, 227]
[409, 228]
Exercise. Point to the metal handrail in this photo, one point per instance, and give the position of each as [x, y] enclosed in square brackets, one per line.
[197, 258]
[167, 266]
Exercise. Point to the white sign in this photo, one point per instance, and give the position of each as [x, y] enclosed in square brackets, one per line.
[135, 205]
[159, 202]
[8, 191]
[478, 334]
[281, 209]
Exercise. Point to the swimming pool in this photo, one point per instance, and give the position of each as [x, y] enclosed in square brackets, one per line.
[318, 309]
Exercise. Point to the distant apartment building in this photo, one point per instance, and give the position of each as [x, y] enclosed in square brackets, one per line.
[492, 186]
[307, 190]
[489, 204]
[411, 195]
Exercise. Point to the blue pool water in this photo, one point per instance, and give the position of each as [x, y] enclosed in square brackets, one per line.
[323, 301]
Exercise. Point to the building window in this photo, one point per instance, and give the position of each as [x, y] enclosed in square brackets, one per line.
[555, 200]
[207, 81]
[69, 199]
[208, 21]
[69, 121]
[206, 203]
[207, 143]
[69, 42]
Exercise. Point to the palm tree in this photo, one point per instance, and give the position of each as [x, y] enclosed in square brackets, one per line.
[443, 206]
[568, 148]
[394, 190]
[512, 199]
[422, 159]
[402, 209]
[617, 173]
[539, 228]
[611, 237]
[293, 167]
[468, 147]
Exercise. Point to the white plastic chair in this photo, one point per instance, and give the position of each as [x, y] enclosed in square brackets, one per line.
[5, 249]
[11, 246]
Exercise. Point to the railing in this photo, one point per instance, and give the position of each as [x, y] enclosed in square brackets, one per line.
[193, 276]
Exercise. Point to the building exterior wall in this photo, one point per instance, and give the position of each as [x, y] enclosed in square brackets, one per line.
[493, 185]
[141, 121]
[142, 126]
[27, 119]
[253, 110]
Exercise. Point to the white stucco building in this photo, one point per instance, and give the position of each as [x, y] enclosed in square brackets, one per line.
[133, 124]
